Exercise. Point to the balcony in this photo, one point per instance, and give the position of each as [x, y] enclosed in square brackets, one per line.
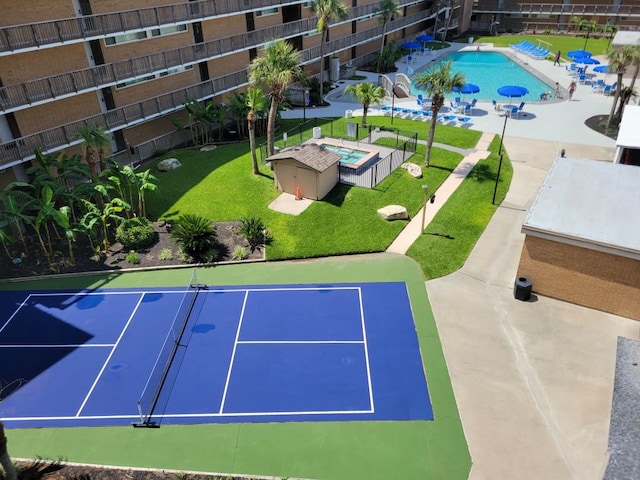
[557, 9]
[21, 149]
[40, 35]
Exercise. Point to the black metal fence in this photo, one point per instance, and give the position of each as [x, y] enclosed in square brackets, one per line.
[367, 176]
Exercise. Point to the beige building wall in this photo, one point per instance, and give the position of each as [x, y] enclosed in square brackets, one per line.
[140, 48]
[107, 6]
[582, 276]
[153, 88]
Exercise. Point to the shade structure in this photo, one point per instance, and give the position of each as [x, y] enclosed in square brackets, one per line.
[602, 69]
[425, 38]
[512, 91]
[411, 45]
[586, 61]
[467, 88]
[578, 54]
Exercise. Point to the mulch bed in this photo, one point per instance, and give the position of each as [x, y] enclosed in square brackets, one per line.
[34, 264]
[597, 123]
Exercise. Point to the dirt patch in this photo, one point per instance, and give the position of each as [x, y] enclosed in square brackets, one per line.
[163, 253]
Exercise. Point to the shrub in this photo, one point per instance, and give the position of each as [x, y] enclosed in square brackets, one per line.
[133, 257]
[165, 254]
[195, 235]
[135, 233]
[254, 231]
[239, 253]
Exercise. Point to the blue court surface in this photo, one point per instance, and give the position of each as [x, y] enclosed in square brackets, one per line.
[290, 353]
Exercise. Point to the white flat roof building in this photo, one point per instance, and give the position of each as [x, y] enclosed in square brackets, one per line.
[626, 38]
[628, 141]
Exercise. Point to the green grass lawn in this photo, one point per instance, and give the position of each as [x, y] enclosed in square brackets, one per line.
[564, 43]
[452, 234]
[220, 186]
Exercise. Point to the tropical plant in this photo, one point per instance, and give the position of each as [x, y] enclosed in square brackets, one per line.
[327, 11]
[277, 66]
[386, 11]
[437, 82]
[619, 60]
[582, 24]
[635, 63]
[239, 253]
[165, 254]
[254, 231]
[449, 16]
[132, 257]
[386, 60]
[366, 93]
[94, 142]
[135, 233]
[238, 110]
[255, 102]
[195, 235]
[626, 94]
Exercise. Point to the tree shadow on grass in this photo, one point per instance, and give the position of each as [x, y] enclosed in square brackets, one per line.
[482, 173]
[447, 236]
[337, 195]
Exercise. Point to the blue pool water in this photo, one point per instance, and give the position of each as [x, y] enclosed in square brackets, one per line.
[347, 155]
[490, 71]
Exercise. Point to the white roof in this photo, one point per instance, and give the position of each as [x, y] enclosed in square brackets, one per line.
[589, 203]
[626, 38]
[629, 131]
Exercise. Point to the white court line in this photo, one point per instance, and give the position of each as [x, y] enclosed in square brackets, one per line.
[88, 294]
[366, 350]
[70, 345]
[188, 415]
[302, 342]
[106, 362]
[233, 353]
[14, 313]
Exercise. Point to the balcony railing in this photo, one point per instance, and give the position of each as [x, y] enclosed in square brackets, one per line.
[557, 9]
[21, 149]
[35, 36]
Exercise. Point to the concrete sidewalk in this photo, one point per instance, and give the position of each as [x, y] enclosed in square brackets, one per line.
[416, 226]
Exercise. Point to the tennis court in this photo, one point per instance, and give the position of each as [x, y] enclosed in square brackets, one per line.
[210, 354]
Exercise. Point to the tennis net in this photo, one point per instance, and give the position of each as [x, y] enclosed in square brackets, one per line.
[151, 392]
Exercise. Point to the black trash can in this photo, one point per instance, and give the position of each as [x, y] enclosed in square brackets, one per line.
[522, 289]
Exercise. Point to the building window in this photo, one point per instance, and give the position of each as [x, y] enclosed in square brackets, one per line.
[133, 37]
[146, 78]
[266, 11]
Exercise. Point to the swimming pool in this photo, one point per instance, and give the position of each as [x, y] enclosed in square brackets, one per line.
[353, 157]
[490, 71]
[347, 155]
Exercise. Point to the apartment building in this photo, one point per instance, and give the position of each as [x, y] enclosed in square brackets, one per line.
[513, 16]
[129, 65]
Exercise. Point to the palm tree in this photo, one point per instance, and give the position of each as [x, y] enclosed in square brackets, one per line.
[327, 11]
[437, 82]
[449, 14]
[255, 102]
[635, 62]
[584, 24]
[386, 10]
[277, 66]
[619, 60]
[95, 141]
[626, 94]
[366, 93]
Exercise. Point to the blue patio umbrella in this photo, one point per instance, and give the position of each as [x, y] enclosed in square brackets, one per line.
[602, 69]
[411, 45]
[586, 61]
[425, 38]
[512, 91]
[578, 54]
[467, 88]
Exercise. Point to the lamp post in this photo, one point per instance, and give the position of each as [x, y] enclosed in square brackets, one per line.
[495, 188]
[393, 100]
[425, 188]
[305, 102]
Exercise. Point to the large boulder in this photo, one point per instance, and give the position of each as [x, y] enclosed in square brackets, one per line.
[414, 170]
[169, 164]
[208, 148]
[393, 212]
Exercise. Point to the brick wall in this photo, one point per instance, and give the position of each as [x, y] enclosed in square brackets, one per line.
[224, 27]
[586, 277]
[140, 48]
[27, 66]
[19, 13]
[152, 88]
[106, 6]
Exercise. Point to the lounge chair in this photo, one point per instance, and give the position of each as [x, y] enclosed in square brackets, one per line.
[520, 107]
[514, 112]
[464, 122]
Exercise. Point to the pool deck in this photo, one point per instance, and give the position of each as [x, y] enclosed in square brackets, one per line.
[533, 380]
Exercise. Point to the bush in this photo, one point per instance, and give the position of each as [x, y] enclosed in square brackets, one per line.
[254, 231]
[135, 233]
[165, 254]
[133, 257]
[239, 253]
[195, 235]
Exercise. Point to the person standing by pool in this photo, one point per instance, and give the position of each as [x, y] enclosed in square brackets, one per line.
[557, 59]
[572, 88]
[556, 92]
[5, 460]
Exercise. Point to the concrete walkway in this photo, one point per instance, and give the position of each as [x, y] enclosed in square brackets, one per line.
[419, 222]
